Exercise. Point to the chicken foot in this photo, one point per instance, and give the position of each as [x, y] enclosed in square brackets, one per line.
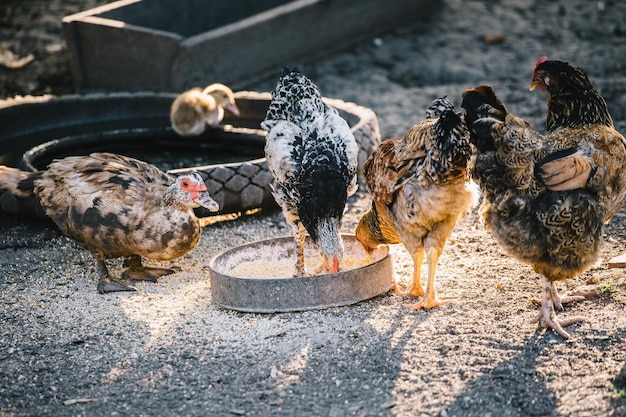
[547, 315]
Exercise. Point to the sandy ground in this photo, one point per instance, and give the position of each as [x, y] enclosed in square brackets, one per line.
[167, 350]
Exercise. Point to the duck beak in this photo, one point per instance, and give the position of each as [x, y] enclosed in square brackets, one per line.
[232, 107]
[200, 195]
[203, 199]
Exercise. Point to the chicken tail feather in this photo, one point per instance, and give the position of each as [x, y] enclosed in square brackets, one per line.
[439, 107]
[448, 119]
[482, 108]
[482, 102]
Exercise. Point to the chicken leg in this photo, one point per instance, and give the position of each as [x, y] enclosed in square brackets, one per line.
[414, 288]
[559, 300]
[547, 315]
[430, 299]
[299, 236]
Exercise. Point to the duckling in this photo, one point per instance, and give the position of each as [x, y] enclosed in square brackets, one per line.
[118, 207]
[194, 109]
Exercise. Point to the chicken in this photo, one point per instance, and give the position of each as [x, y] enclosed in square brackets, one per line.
[312, 156]
[194, 109]
[421, 187]
[117, 207]
[535, 204]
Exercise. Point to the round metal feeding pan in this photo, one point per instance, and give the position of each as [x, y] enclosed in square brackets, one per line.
[257, 277]
[36, 130]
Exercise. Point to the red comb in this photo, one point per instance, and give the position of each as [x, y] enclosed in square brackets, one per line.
[541, 61]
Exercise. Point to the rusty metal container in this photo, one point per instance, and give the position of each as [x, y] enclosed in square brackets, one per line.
[263, 293]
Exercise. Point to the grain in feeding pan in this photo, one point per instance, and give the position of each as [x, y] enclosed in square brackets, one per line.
[257, 277]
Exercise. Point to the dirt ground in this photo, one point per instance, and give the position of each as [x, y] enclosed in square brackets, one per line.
[167, 350]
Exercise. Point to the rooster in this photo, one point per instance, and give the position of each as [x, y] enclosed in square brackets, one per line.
[195, 109]
[312, 156]
[421, 187]
[117, 207]
[547, 196]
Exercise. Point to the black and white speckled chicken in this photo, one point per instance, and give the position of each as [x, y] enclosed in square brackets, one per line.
[312, 156]
[548, 195]
[118, 207]
[421, 187]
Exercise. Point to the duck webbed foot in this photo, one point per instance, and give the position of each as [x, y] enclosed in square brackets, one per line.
[137, 272]
[106, 283]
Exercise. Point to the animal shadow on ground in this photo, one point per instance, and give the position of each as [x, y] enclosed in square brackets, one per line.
[520, 386]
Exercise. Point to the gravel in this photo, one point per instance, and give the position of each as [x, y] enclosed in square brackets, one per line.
[167, 350]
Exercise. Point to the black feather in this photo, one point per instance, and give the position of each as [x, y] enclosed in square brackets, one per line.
[482, 108]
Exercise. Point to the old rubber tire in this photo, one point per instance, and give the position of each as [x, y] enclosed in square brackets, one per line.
[37, 129]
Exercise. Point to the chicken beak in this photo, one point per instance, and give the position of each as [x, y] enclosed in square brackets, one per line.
[203, 199]
[232, 107]
[541, 84]
[334, 267]
[365, 246]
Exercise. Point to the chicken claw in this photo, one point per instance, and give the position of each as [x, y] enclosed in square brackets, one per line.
[547, 318]
[415, 289]
[427, 303]
[547, 315]
[431, 300]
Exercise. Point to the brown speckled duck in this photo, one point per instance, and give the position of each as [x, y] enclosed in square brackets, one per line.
[118, 207]
[194, 109]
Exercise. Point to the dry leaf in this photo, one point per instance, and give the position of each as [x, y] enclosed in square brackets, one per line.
[78, 401]
[493, 39]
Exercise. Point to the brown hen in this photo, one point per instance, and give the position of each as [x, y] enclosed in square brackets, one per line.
[547, 196]
[420, 187]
